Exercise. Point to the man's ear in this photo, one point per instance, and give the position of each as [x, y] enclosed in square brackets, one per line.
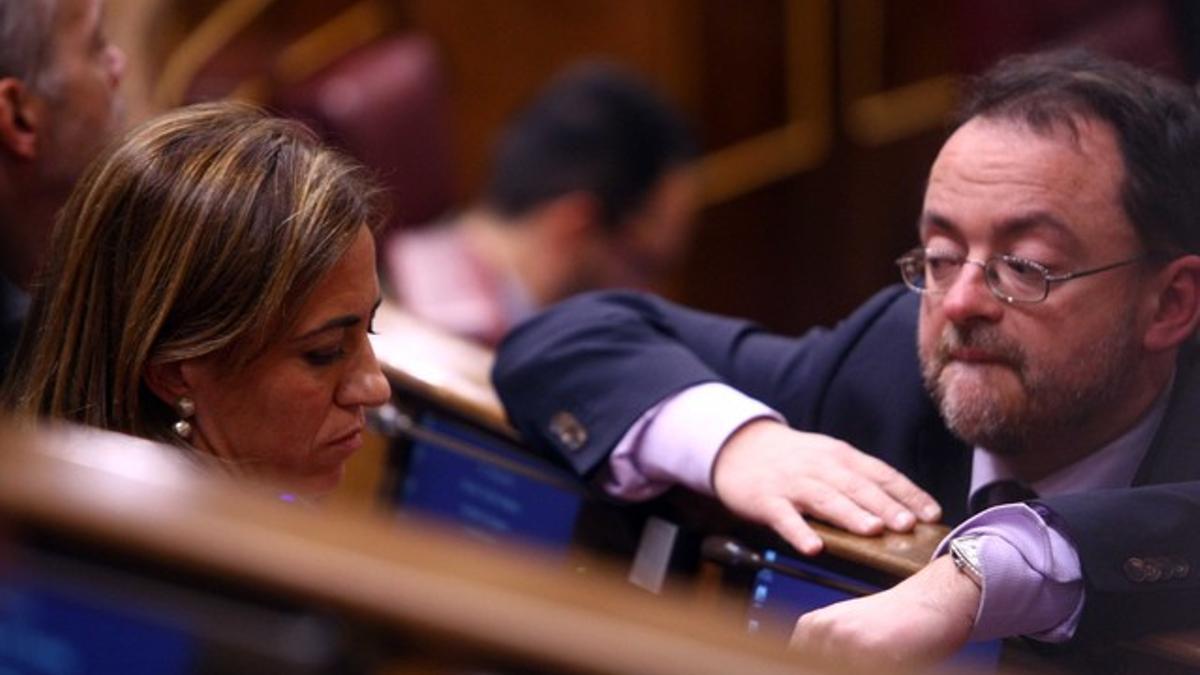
[168, 381]
[20, 117]
[571, 218]
[1176, 306]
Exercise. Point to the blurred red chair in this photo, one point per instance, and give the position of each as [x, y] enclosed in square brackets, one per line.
[1144, 32]
[386, 105]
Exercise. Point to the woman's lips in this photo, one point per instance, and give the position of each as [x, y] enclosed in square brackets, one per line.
[348, 442]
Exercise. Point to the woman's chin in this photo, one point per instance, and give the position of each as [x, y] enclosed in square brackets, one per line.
[316, 484]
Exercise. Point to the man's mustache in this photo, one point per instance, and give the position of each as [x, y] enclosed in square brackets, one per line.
[984, 339]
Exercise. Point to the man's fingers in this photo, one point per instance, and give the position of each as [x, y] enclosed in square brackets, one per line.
[837, 508]
[876, 500]
[900, 488]
[914, 498]
[870, 499]
[783, 517]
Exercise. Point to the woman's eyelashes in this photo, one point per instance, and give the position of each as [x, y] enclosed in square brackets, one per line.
[324, 356]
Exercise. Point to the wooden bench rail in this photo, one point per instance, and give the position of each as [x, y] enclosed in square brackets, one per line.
[421, 583]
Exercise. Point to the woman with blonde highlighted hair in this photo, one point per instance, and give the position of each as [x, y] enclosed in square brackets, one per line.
[211, 284]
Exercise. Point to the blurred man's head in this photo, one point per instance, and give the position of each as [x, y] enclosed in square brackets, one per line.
[598, 149]
[1059, 255]
[58, 106]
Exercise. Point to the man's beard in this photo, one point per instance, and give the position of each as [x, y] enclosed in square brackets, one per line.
[1053, 401]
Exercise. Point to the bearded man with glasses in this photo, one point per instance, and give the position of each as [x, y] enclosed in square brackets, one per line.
[1046, 358]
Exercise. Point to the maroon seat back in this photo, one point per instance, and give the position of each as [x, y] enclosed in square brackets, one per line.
[386, 105]
[1144, 32]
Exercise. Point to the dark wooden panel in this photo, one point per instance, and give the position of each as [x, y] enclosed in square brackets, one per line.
[500, 52]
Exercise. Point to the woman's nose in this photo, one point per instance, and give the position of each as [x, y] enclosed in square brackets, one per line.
[365, 385]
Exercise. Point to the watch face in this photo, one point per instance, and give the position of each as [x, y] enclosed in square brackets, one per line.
[967, 547]
[965, 554]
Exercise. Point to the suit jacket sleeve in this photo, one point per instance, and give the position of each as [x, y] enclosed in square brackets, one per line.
[1140, 557]
[604, 358]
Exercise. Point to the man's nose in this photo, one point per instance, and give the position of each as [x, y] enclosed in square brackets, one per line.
[970, 298]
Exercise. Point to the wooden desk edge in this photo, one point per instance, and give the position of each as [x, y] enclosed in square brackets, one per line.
[412, 577]
[895, 554]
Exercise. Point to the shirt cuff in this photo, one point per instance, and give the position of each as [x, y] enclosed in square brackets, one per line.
[677, 441]
[1032, 579]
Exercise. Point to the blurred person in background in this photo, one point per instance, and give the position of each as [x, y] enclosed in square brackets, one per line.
[58, 105]
[211, 285]
[590, 188]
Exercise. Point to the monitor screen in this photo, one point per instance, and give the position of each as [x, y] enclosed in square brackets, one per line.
[47, 630]
[488, 488]
[66, 611]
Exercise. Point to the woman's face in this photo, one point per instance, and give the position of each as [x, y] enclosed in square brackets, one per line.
[295, 414]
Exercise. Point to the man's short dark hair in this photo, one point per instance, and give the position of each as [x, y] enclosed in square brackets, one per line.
[25, 36]
[596, 129]
[1157, 125]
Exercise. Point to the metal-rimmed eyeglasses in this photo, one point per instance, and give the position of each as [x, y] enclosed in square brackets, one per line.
[1009, 277]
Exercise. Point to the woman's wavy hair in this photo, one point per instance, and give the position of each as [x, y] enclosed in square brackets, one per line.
[200, 233]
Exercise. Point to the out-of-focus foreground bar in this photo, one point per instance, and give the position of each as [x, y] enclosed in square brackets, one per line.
[125, 536]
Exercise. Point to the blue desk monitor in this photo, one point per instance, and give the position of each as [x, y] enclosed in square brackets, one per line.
[52, 631]
[63, 615]
[778, 600]
[488, 488]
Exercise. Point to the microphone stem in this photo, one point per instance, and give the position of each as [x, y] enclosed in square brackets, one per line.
[850, 587]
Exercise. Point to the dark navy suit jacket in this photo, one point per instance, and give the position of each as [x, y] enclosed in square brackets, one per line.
[602, 359]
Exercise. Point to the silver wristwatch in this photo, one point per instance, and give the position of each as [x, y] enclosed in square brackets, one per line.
[964, 551]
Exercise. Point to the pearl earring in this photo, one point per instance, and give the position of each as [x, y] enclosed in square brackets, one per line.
[186, 407]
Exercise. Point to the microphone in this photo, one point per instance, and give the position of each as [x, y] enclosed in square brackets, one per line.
[731, 553]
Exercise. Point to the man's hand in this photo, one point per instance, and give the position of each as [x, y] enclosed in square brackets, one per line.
[922, 620]
[769, 473]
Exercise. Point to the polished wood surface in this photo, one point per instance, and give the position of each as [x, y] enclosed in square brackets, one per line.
[420, 583]
[1181, 647]
[898, 555]
[446, 369]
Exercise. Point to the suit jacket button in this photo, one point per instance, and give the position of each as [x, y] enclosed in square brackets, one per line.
[1154, 571]
[1135, 570]
[568, 430]
[1180, 569]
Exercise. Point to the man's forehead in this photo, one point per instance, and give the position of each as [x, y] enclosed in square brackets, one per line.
[1076, 132]
[1017, 178]
[1085, 151]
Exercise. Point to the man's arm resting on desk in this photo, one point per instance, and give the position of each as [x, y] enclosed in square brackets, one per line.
[1031, 585]
[761, 469]
[921, 620]
[711, 429]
